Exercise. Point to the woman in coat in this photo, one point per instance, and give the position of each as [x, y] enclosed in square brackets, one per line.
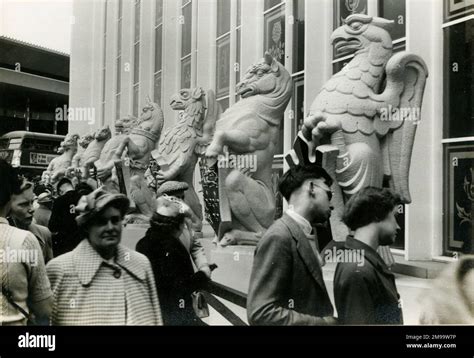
[172, 266]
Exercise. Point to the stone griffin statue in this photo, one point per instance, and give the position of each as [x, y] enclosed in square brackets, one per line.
[250, 128]
[370, 122]
[181, 146]
[139, 143]
[58, 167]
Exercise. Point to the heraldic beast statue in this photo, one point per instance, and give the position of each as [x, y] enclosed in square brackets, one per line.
[250, 128]
[369, 111]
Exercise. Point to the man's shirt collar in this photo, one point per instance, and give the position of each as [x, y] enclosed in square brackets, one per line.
[301, 221]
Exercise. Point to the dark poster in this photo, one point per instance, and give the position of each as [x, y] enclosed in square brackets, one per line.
[223, 62]
[275, 34]
[459, 198]
[344, 8]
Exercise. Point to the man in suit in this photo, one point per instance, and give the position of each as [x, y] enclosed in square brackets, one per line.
[365, 291]
[286, 284]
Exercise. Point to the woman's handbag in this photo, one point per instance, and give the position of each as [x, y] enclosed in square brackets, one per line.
[200, 305]
[9, 296]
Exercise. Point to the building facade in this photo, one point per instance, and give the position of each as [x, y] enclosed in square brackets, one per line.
[125, 50]
[34, 84]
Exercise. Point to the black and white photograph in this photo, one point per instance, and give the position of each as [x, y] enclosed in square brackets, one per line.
[222, 166]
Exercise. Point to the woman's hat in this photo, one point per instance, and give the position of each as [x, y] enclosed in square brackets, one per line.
[91, 205]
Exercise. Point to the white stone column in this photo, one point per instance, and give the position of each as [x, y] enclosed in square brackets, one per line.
[110, 73]
[128, 32]
[423, 233]
[252, 32]
[206, 45]
[318, 48]
[171, 57]
[147, 39]
[81, 65]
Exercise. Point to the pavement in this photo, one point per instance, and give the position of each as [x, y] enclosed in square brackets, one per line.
[236, 274]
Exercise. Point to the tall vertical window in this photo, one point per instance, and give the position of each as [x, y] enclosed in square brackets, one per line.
[274, 42]
[297, 67]
[118, 60]
[186, 41]
[104, 62]
[223, 53]
[136, 59]
[238, 39]
[394, 10]
[158, 51]
[228, 51]
[458, 128]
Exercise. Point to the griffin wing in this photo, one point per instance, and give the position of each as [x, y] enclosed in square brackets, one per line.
[213, 113]
[406, 79]
[174, 146]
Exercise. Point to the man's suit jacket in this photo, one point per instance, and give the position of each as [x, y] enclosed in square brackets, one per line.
[286, 285]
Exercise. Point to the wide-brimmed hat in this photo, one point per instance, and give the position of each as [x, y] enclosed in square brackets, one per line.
[171, 187]
[45, 197]
[91, 205]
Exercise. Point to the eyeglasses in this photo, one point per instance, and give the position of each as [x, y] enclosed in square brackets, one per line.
[101, 221]
[328, 190]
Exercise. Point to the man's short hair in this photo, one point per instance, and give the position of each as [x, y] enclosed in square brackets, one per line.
[295, 177]
[369, 205]
[10, 183]
[25, 185]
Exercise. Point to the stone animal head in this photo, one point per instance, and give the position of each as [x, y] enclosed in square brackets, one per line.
[149, 110]
[102, 134]
[85, 140]
[362, 33]
[70, 142]
[125, 124]
[192, 100]
[263, 78]
[151, 119]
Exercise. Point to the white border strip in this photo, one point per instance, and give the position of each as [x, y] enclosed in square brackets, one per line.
[456, 140]
[457, 21]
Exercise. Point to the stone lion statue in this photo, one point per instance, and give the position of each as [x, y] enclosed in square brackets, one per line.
[58, 167]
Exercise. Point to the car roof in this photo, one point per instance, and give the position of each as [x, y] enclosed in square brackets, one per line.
[26, 134]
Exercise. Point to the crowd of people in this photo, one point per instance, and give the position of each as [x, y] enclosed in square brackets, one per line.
[74, 271]
[63, 262]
